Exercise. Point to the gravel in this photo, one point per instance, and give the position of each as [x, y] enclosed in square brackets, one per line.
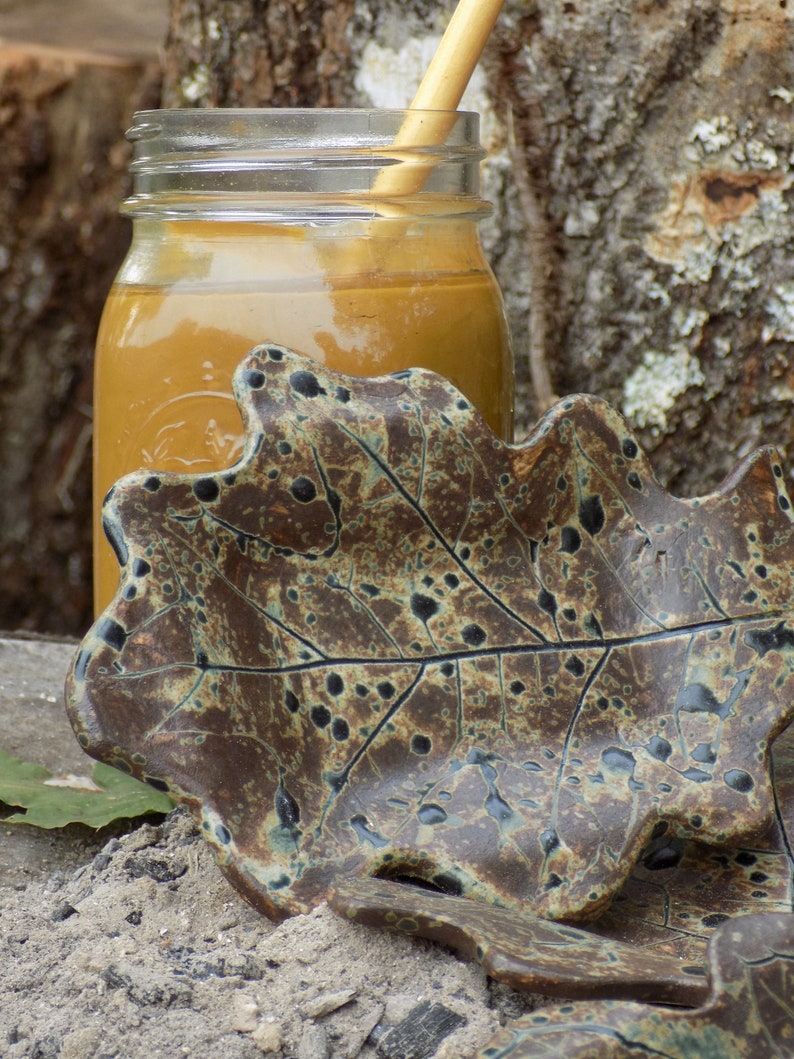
[146, 952]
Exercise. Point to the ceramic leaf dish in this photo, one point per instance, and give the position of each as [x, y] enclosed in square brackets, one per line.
[387, 645]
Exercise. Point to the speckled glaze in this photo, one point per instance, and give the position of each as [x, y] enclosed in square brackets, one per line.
[536, 955]
[747, 1013]
[387, 644]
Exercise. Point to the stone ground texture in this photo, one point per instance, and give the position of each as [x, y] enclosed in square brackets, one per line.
[132, 944]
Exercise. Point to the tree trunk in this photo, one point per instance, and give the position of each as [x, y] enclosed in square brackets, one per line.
[62, 175]
[641, 168]
[249, 53]
[657, 142]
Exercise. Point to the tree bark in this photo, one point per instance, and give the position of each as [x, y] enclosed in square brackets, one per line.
[62, 176]
[659, 140]
[641, 171]
[249, 53]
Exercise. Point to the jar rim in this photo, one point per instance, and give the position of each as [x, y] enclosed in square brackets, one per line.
[244, 154]
[216, 127]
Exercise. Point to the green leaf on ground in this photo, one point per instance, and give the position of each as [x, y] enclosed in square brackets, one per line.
[43, 800]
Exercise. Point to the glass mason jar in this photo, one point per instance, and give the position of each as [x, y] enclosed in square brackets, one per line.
[308, 228]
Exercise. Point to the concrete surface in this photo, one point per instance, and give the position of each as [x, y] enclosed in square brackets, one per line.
[34, 726]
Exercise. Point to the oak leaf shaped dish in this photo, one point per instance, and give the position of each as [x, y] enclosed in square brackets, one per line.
[747, 1012]
[530, 954]
[385, 643]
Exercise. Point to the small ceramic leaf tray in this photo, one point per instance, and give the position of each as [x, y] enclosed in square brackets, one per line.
[387, 645]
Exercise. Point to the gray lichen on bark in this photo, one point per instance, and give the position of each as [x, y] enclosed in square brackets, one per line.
[667, 137]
